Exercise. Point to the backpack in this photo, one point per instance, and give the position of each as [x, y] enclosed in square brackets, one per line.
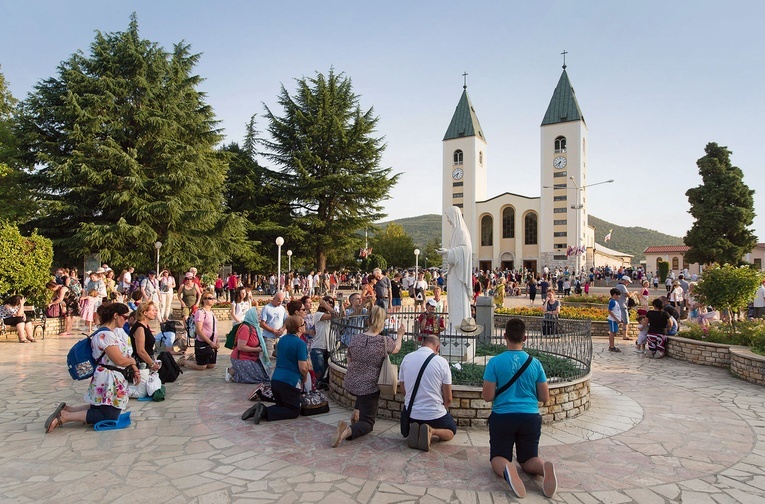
[170, 370]
[191, 328]
[231, 336]
[80, 361]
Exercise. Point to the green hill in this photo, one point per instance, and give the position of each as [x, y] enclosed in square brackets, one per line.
[632, 240]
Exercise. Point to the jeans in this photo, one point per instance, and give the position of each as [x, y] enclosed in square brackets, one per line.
[319, 362]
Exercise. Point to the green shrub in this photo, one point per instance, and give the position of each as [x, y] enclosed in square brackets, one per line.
[25, 264]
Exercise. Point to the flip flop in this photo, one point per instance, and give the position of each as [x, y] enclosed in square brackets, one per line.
[56, 415]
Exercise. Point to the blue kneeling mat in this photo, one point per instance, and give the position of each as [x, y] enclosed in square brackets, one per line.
[122, 422]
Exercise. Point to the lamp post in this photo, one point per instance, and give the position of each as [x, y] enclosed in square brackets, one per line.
[289, 260]
[416, 262]
[157, 245]
[578, 208]
[279, 243]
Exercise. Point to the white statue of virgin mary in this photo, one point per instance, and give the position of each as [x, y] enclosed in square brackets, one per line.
[458, 258]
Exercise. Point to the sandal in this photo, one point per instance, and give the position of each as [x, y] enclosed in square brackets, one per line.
[56, 415]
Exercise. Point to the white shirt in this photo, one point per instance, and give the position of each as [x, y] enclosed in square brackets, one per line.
[759, 298]
[429, 401]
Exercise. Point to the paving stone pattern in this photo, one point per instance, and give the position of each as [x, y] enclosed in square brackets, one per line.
[657, 431]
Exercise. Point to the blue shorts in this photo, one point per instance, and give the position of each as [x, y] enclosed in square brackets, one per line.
[445, 422]
[613, 326]
[519, 429]
[396, 301]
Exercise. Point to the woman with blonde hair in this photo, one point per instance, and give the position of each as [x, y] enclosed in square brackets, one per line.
[366, 353]
[141, 338]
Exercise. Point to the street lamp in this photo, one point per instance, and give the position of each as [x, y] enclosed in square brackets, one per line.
[157, 245]
[578, 207]
[289, 260]
[416, 262]
[279, 243]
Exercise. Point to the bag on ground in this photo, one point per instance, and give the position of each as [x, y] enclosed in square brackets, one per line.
[153, 383]
[170, 370]
[313, 403]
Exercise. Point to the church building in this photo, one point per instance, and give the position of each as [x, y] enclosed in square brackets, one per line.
[511, 231]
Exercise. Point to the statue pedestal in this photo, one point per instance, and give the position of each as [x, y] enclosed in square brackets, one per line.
[458, 347]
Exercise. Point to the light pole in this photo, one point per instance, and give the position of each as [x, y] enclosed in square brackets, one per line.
[289, 261]
[578, 208]
[157, 245]
[416, 262]
[279, 243]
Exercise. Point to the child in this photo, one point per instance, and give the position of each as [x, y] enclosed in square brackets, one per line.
[643, 334]
[89, 308]
[614, 316]
[587, 288]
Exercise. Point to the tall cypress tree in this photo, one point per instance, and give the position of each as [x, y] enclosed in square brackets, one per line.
[723, 206]
[125, 146]
[330, 163]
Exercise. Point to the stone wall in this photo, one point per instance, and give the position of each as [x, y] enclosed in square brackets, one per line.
[567, 400]
[747, 365]
[220, 313]
[699, 352]
[599, 328]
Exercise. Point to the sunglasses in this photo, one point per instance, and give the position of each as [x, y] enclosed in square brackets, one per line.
[208, 299]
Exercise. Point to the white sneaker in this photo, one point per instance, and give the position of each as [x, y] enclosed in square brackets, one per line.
[228, 376]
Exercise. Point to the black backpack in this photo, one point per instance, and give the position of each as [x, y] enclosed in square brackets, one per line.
[170, 369]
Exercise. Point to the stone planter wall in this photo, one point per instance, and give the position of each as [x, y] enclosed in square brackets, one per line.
[699, 352]
[567, 400]
[220, 313]
[747, 365]
[599, 329]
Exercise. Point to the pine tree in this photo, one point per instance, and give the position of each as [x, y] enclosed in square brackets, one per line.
[723, 207]
[126, 148]
[330, 163]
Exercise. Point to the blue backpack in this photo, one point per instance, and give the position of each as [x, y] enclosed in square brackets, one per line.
[80, 361]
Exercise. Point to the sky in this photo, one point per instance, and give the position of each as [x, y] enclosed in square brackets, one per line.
[655, 80]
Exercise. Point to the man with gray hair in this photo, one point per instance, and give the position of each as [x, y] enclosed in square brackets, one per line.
[383, 290]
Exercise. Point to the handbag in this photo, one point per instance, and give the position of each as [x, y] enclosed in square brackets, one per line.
[388, 379]
[53, 311]
[407, 409]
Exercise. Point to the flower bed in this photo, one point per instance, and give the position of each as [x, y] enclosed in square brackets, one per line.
[566, 312]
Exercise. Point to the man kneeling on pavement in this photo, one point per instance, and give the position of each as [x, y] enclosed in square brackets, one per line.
[428, 416]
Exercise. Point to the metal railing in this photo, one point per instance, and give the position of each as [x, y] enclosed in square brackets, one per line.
[563, 346]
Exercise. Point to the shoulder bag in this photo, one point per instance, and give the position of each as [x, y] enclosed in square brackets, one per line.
[407, 409]
[514, 378]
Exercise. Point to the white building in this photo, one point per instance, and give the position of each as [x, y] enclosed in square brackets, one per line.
[511, 230]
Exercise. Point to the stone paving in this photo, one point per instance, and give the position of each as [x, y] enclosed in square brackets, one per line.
[657, 431]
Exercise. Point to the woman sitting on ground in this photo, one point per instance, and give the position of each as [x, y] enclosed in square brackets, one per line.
[286, 383]
[366, 353]
[141, 337]
[249, 363]
[12, 313]
[107, 395]
[659, 321]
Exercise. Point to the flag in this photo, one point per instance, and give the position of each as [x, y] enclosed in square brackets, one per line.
[608, 236]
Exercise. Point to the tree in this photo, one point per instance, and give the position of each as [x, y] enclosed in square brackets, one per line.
[25, 268]
[394, 245]
[329, 163]
[723, 207]
[434, 258]
[663, 271]
[12, 186]
[255, 193]
[126, 148]
[727, 287]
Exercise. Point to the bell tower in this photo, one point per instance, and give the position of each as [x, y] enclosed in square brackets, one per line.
[464, 166]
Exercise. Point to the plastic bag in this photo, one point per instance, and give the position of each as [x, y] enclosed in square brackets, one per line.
[136, 391]
[153, 383]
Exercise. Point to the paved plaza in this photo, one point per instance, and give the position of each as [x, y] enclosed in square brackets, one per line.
[657, 431]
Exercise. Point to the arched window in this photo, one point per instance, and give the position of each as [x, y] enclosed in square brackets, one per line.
[487, 237]
[530, 230]
[675, 263]
[560, 144]
[458, 157]
[508, 223]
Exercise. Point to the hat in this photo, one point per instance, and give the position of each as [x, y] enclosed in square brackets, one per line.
[152, 272]
[469, 327]
[627, 279]
[99, 271]
[432, 303]
[189, 275]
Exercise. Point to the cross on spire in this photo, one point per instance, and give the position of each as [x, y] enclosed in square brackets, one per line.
[564, 53]
[464, 80]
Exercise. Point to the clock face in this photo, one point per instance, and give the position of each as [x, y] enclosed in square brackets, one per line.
[457, 174]
[559, 162]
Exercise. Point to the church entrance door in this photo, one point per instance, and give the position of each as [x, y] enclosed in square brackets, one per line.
[530, 265]
[508, 265]
[484, 265]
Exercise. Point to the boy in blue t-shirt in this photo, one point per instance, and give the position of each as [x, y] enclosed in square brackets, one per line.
[614, 316]
[515, 418]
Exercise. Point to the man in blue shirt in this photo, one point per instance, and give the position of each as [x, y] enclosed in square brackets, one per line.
[515, 418]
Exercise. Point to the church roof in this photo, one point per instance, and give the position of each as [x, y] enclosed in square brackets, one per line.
[563, 105]
[464, 121]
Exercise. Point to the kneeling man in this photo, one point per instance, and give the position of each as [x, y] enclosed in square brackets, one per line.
[428, 416]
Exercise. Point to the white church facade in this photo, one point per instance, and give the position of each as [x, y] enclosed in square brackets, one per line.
[510, 231]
